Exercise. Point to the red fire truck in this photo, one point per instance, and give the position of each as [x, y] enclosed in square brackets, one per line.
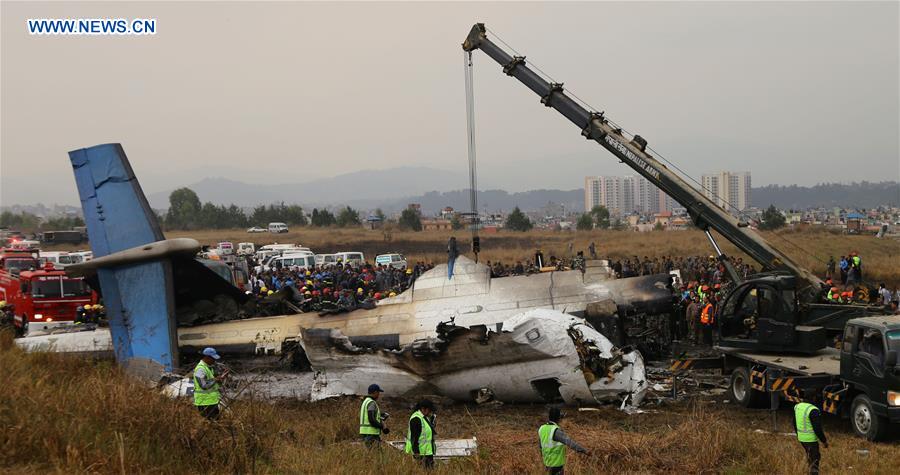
[43, 297]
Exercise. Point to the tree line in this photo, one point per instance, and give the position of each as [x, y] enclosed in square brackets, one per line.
[25, 221]
[186, 212]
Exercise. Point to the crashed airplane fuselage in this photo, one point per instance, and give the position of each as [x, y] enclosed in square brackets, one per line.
[538, 356]
[470, 297]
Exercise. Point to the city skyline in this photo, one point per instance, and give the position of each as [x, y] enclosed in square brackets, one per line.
[625, 194]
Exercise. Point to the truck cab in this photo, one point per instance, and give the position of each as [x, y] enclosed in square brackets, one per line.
[766, 314]
[871, 375]
[762, 314]
[45, 298]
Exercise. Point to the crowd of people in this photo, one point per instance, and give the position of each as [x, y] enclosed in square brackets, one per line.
[336, 288]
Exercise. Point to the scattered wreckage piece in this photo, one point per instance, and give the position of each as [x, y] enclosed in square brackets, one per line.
[538, 356]
[446, 448]
[82, 341]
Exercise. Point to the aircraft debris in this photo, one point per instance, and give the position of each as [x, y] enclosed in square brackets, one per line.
[538, 356]
[446, 448]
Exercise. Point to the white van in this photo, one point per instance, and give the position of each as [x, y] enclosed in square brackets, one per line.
[325, 259]
[396, 261]
[225, 248]
[356, 258]
[81, 256]
[57, 258]
[294, 261]
[282, 247]
[277, 228]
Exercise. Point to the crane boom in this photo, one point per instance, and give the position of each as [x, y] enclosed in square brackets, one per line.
[594, 126]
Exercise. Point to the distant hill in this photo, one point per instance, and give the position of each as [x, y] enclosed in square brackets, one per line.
[393, 189]
[493, 200]
[365, 185]
[854, 195]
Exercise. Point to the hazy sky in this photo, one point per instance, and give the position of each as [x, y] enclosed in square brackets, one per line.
[284, 92]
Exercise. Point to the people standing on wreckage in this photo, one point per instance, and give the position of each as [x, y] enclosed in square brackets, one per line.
[371, 419]
[452, 254]
[207, 384]
[552, 441]
[420, 433]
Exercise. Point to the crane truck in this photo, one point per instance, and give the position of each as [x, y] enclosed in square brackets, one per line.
[774, 326]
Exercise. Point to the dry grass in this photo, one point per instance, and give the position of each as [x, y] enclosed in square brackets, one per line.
[67, 415]
[810, 248]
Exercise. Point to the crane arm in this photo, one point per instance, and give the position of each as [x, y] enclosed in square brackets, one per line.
[594, 126]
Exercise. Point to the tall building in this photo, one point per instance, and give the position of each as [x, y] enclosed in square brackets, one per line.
[729, 190]
[625, 194]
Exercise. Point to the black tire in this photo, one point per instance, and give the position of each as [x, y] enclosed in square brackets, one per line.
[865, 422]
[742, 393]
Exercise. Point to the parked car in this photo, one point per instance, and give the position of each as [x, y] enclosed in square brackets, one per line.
[350, 258]
[58, 259]
[81, 256]
[225, 248]
[396, 261]
[325, 259]
[293, 261]
[256, 229]
[278, 228]
[246, 249]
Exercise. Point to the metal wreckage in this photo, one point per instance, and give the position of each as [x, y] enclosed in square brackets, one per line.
[571, 336]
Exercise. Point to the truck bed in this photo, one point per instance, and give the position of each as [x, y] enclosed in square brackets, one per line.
[824, 362]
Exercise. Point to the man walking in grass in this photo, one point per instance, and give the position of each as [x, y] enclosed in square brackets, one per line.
[206, 385]
[808, 425]
[553, 442]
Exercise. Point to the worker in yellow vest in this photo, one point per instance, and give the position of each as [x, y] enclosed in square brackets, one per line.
[420, 433]
[207, 384]
[371, 419]
[808, 425]
[553, 443]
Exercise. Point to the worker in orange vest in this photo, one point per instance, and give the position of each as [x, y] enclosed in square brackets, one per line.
[707, 319]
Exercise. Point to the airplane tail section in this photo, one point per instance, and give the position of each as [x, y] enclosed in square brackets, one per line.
[138, 295]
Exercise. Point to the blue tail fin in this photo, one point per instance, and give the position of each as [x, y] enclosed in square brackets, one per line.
[139, 297]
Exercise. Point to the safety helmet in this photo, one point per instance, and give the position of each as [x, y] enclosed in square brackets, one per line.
[717, 286]
[88, 307]
[309, 282]
[834, 289]
[409, 271]
[270, 292]
[308, 273]
[392, 294]
[377, 295]
[359, 290]
[307, 293]
[315, 293]
[263, 290]
[2, 303]
[705, 288]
